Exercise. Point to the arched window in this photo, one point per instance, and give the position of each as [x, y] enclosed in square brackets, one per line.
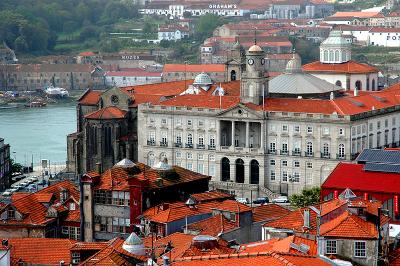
[331, 56]
[239, 171]
[338, 83]
[344, 57]
[309, 151]
[233, 75]
[326, 58]
[341, 151]
[163, 156]
[373, 84]
[358, 85]
[150, 159]
[225, 169]
[254, 172]
[325, 150]
[337, 56]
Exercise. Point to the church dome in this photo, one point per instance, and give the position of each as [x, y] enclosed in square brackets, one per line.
[255, 49]
[335, 38]
[294, 64]
[202, 79]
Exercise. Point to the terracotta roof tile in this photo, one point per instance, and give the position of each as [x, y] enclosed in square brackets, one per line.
[211, 196]
[213, 226]
[348, 67]
[268, 212]
[348, 225]
[90, 97]
[41, 251]
[110, 112]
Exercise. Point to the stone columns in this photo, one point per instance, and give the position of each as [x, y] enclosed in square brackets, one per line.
[247, 134]
[262, 137]
[218, 135]
[233, 134]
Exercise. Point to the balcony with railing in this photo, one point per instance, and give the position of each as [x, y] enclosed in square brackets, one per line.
[151, 142]
[325, 155]
[189, 145]
[296, 153]
[284, 152]
[308, 154]
[201, 146]
[164, 143]
[211, 147]
[178, 144]
[271, 151]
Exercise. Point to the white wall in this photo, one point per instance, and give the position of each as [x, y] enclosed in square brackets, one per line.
[387, 39]
[119, 81]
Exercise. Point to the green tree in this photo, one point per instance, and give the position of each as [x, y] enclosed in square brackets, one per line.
[307, 197]
[20, 44]
[206, 25]
[16, 167]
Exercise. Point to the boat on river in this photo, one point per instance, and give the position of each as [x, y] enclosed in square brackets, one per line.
[35, 104]
[56, 92]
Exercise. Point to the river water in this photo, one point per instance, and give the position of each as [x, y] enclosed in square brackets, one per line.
[38, 132]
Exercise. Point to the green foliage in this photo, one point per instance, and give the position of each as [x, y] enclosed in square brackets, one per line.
[307, 197]
[16, 167]
[308, 51]
[206, 25]
[34, 26]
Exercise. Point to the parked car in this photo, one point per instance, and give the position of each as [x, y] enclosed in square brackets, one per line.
[23, 184]
[33, 179]
[243, 200]
[281, 199]
[261, 200]
[13, 189]
[6, 193]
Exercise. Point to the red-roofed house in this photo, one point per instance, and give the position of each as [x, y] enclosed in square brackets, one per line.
[173, 72]
[117, 198]
[172, 32]
[50, 212]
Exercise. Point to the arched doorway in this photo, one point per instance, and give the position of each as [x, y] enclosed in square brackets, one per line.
[233, 75]
[254, 172]
[358, 85]
[338, 83]
[225, 169]
[239, 171]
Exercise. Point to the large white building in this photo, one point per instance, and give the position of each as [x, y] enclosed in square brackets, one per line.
[387, 37]
[335, 66]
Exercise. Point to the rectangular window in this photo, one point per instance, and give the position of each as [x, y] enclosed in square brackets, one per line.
[189, 155]
[331, 247]
[189, 122]
[211, 170]
[178, 122]
[189, 166]
[296, 164]
[285, 128]
[212, 142]
[200, 168]
[163, 121]
[309, 129]
[200, 123]
[284, 163]
[272, 175]
[272, 162]
[309, 165]
[341, 132]
[284, 176]
[200, 156]
[285, 148]
[178, 154]
[296, 177]
[296, 129]
[359, 249]
[272, 147]
[325, 131]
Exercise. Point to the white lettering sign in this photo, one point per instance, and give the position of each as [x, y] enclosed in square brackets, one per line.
[130, 57]
[222, 6]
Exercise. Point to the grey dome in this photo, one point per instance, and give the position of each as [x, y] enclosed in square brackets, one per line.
[295, 84]
[335, 38]
[202, 79]
[125, 163]
[162, 165]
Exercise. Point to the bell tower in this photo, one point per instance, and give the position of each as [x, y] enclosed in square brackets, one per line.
[254, 82]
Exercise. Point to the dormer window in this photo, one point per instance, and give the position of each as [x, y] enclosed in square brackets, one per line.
[10, 213]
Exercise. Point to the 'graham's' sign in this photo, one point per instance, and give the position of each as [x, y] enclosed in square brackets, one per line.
[222, 6]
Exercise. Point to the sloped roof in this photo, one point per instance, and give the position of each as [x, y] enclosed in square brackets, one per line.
[194, 68]
[110, 112]
[41, 251]
[90, 97]
[213, 226]
[348, 225]
[350, 67]
[353, 176]
[269, 212]
[211, 196]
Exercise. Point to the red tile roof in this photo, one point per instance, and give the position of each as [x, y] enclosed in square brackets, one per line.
[90, 97]
[194, 68]
[110, 112]
[251, 259]
[347, 175]
[382, 29]
[357, 14]
[211, 196]
[133, 73]
[113, 254]
[169, 212]
[179, 241]
[88, 53]
[213, 226]
[348, 225]
[281, 245]
[34, 212]
[268, 212]
[350, 67]
[41, 251]
[295, 221]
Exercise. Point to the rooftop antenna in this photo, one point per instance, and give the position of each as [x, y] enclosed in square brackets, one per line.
[255, 36]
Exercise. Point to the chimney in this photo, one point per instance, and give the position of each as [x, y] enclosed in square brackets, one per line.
[306, 217]
[62, 263]
[98, 168]
[332, 96]
[356, 91]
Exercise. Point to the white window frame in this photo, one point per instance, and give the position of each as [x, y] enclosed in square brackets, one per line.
[358, 249]
[330, 248]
